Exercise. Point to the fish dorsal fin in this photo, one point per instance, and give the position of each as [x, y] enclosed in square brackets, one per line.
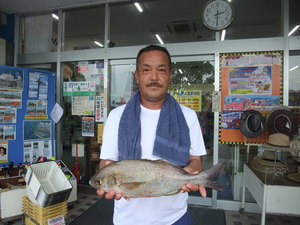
[131, 185]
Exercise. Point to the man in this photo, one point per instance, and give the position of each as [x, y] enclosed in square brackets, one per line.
[152, 125]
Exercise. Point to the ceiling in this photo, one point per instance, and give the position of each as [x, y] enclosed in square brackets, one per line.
[253, 19]
[28, 6]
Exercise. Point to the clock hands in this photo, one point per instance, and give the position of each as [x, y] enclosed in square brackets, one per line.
[217, 15]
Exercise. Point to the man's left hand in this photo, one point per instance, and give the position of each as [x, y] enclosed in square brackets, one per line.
[193, 187]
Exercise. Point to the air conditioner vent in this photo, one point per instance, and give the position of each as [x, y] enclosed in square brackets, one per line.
[182, 27]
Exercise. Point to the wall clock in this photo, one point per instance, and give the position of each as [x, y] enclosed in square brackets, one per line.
[217, 14]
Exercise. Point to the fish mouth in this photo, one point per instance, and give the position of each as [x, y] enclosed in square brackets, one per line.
[92, 184]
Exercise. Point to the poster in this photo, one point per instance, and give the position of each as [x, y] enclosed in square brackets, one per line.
[10, 98]
[8, 132]
[88, 126]
[242, 102]
[190, 98]
[248, 81]
[3, 151]
[8, 115]
[38, 86]
[83, 105]
[254, 80]
[37, 129]
[37, 107]
[230, 119]
[34, 149]
[11, 78]
[100, 133]
[81, 88]
[100, 109]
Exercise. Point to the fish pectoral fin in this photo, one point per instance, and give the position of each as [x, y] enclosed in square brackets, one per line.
[132, 185]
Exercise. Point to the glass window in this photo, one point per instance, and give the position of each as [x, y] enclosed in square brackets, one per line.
[294, 81]
[255, 19]
[122, 84]
[175, 21]
[294, 14]
[78, 110]
[84, 28]
[38, 34]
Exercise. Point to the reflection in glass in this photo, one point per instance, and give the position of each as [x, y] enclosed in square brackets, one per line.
[181, 22]
[294, 81]
[38, 34]
[84, 28]
[72, 118]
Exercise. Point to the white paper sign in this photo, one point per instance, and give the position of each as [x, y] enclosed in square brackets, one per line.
[57, 113]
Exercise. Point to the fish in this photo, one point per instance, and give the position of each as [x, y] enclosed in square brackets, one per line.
[139, 178]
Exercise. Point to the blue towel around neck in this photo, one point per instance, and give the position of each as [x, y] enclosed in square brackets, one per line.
[172, 140]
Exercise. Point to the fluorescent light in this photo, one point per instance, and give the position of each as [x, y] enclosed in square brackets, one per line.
[294, 68]
[180, 71]
[223, 35]
[55, 16]
[159, 39]
[137, 5]
[98, 43]
[294, 29]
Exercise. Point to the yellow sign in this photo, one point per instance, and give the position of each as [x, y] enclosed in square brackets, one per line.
[190, 98]
[36, 117]
[100, 132]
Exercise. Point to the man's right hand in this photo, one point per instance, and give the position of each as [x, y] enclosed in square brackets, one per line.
[110, 194]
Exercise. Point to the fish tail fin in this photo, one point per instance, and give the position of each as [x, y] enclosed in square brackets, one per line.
[210, 177]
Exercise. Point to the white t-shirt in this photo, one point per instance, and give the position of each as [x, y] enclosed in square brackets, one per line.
[162, 210]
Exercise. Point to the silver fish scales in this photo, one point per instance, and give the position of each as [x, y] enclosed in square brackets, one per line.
[147, 178]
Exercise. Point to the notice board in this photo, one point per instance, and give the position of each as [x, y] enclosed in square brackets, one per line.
[248, 81]
[27, 97]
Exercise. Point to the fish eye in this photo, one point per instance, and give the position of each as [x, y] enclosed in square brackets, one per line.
[99, 182]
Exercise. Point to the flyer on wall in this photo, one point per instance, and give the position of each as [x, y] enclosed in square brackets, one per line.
[8, 115]
[3, 151]
[83, 105]
[37, 129]
[11, 98]
[8, 132]
[38, 86]
[34, 149]
[11, 78]
[88, 126]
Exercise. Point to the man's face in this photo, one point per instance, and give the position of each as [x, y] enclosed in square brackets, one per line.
[153, 76]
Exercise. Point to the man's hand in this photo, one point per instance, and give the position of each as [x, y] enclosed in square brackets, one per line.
[193, 164]
[111, 193]
[193, 187]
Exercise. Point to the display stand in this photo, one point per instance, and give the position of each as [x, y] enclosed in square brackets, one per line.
[271, 198]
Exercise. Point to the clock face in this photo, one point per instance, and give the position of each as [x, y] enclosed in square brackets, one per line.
[217, 14]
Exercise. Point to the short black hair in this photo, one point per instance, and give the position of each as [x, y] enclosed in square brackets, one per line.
[153, 48]
[4, 150]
